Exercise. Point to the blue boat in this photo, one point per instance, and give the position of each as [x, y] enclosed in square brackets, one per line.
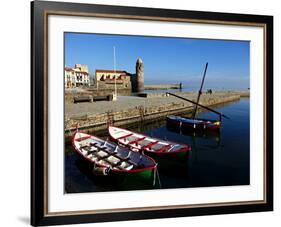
[191, 124]
[194, 124]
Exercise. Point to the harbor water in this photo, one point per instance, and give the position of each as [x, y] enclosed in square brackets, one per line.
[218, 159]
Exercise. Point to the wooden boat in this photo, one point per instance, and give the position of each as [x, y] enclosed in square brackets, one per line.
[107, 158]
[146, 144]
[212, 135]
[192, 124]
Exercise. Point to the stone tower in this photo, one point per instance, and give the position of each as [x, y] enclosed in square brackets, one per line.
[139, 76]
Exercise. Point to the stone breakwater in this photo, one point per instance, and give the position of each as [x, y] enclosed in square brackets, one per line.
[130, 109]
[161, 86]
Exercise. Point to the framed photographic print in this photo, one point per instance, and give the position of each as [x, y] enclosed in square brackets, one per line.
[141, 113]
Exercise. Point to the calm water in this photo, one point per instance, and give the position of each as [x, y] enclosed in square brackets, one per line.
[215, 160]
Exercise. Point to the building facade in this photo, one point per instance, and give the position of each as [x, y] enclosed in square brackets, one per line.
[69, 78]
[77, 76]
[106, 79]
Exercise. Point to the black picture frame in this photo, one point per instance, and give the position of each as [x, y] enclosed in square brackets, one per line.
[39, 109]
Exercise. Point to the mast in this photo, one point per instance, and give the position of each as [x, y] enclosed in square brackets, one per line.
[114, 62]
[200, 92]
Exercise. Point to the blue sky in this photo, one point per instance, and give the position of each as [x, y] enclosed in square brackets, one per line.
[166, 60]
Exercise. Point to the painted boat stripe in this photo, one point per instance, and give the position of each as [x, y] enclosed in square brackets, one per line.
[82, 138]
[137, 140]
[150, 144]
[123, 137]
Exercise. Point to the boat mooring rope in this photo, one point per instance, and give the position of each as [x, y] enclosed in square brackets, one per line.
[159, 182]
[154, 176]
[156, 173]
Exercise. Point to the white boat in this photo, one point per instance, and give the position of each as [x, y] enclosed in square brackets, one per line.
[146, 144]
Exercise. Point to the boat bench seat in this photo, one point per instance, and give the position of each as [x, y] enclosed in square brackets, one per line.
[125, 162]
[102, 153]
[102, 158]
[117, 164]
[113, 160]
[128, 160]
[133, 163]
[124, 166]
[89, 150]
[84, 146]
[97, 148]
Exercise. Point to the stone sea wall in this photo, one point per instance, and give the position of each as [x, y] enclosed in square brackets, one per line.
[151, 109]
[161, 86]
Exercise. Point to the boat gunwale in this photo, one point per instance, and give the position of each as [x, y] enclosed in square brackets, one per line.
[200, 119]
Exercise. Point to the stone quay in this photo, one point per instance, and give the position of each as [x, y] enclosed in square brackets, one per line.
[131, 109]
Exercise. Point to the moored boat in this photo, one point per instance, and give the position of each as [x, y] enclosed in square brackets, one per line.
[192, 124]
[148, 145]
[107, 158]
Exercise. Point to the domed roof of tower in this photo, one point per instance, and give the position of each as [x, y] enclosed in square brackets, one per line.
[139, 60]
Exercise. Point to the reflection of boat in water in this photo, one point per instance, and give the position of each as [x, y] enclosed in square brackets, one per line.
[206, 134]
[107, 158]
[148, 145]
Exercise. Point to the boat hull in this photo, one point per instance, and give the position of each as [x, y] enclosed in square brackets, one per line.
[145, 176]
[146, 179]
[144, 172]
[175, 155]
[180, 152]
[189, 125]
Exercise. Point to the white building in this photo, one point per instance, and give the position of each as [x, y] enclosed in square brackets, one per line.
[77, 76]
[69, 78]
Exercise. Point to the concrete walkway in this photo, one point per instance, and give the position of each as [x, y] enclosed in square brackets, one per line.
[122, 103]
[129, 102]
